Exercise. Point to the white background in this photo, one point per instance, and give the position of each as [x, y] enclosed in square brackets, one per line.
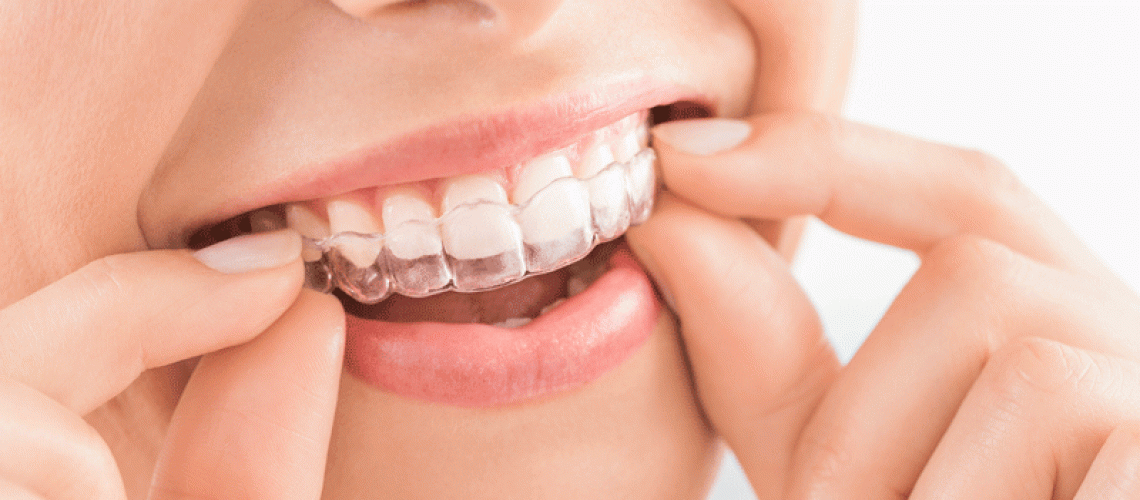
[1050, 87]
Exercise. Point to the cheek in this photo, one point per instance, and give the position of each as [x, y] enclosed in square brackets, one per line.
[637, 432]
[89, 97]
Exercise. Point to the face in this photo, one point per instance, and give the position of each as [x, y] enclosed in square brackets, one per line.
[126, 126]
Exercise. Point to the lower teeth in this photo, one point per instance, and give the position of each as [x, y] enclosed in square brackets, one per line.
[365, 268]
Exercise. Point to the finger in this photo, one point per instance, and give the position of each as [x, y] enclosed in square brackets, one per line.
[255, 420]
[759, 358]
[1115, 473]
[884, 415]
[1032, 424]
[803, 60]
[84, 338]
[47, 451]
[864, 181]
[803, 52]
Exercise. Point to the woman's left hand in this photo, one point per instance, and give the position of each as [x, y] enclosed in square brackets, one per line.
[1008, 367]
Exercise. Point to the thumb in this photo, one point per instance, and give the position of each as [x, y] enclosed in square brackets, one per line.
[759, 358]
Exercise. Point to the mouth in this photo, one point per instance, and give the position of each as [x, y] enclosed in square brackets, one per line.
[493, 284]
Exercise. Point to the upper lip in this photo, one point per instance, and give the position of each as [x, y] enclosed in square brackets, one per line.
[464, 145]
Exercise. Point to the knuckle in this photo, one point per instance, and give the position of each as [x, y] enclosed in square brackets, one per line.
[1035, 367]
[104, 276]
[993, 181]
[990, 173]
[975, 266]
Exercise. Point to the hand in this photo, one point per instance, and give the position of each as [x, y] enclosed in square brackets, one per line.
[1006, 368]
[255, 417]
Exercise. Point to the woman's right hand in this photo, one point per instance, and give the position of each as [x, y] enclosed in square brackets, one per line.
[255, 418]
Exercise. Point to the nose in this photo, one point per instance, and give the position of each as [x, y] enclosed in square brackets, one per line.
[516, 19]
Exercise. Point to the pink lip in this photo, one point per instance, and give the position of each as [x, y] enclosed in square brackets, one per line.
[479, 365]
[466, 145]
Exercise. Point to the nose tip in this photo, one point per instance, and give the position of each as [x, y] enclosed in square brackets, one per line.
[515, 18]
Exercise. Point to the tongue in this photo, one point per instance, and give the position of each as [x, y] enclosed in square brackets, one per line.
[524, 299]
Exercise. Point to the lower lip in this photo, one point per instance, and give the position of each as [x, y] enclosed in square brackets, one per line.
[477, 365]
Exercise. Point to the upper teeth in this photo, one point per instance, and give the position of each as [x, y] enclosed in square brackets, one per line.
[560, 205]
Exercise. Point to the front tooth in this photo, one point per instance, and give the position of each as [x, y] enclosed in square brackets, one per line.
[556, 225]
[350, 216]
[472, 189]
[539, 173]
[484, 246]
[413, 247]
[596, 158]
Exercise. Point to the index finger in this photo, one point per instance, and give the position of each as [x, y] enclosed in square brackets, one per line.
[861, 180]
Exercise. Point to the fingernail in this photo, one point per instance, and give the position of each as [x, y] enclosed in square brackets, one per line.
[703, 137]
[252, 252]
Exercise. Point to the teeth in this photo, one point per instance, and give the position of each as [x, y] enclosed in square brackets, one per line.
[472, 189]
[303, 220]
[350, 216]
[626, 146]
[641, 185]
[485, 246]
[264, 221]
[414, 249]
[513, 322]
[551, 307]
[596, 158]
[609, 202]
[539, 173]
[556, 226]
[561, 205]
[355, 260]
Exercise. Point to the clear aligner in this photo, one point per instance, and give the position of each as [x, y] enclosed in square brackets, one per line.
[485, 245]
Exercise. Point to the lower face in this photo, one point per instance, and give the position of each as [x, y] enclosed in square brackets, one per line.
[304, 107]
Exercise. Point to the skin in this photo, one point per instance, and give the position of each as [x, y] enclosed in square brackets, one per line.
[143, 116]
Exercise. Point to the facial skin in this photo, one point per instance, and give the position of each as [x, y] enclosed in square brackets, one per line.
[120, 123]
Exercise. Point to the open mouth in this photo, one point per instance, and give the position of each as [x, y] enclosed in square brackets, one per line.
[490, 288]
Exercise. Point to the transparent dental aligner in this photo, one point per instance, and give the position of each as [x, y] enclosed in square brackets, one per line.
[485, 245]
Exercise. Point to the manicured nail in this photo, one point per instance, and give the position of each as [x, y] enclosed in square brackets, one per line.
[703, 137]
[252, 252]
